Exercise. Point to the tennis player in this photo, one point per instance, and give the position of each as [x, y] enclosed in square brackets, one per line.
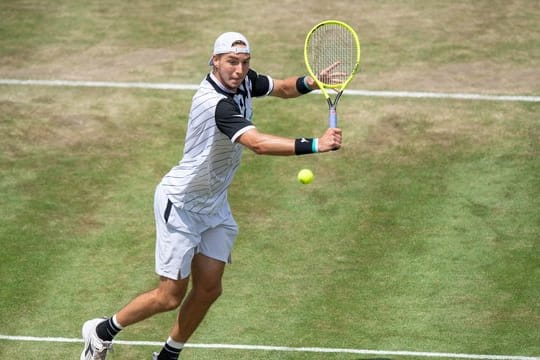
[195, 230]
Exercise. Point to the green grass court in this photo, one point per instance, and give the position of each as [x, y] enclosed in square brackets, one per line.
[422, 234]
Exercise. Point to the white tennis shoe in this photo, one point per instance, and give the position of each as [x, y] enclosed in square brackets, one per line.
[94, 347]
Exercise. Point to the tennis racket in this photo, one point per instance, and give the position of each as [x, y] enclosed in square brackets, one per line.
[332, 57]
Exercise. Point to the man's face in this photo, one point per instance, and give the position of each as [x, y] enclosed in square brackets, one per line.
[231, 69]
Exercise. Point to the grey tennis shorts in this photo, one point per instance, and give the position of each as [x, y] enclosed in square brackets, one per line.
[181, 234]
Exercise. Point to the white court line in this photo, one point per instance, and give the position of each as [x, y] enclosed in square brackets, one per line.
[369, 93]
[433, 95]
[284, 348]
[110, 84]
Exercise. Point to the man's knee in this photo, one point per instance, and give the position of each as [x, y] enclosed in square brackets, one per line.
[168, 302]
[170, 293]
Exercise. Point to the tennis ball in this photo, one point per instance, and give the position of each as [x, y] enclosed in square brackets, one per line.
[305, 176]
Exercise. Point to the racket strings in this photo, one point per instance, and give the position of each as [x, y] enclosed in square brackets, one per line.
[332, 53]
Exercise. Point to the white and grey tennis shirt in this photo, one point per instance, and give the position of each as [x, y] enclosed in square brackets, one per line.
[211, 156]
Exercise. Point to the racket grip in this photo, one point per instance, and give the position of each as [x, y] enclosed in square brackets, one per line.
[332, 118]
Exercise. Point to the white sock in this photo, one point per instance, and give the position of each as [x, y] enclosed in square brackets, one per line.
[175, 344]
[116, 323]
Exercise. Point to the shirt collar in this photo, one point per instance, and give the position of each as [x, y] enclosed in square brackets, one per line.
[218, 85]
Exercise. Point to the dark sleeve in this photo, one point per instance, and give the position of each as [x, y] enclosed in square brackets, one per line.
[229, 120]
[262, 85]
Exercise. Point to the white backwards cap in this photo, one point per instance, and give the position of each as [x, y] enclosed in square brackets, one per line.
[224, 44]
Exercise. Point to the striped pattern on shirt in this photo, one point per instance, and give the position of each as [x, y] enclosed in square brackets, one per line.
[211, 156]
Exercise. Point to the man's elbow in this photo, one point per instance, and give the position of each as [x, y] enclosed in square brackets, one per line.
[257, 148]
[252, 141]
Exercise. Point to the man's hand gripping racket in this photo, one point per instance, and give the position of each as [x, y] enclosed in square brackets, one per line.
[332, 57]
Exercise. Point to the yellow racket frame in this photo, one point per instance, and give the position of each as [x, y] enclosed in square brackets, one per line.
[341, 86]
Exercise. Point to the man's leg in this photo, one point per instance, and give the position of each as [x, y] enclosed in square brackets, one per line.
[206, 275]
[98, 333]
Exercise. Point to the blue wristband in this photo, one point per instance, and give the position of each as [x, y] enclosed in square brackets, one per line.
[315, 145]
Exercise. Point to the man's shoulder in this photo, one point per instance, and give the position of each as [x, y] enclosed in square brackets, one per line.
[253, 75]
[260, 85]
